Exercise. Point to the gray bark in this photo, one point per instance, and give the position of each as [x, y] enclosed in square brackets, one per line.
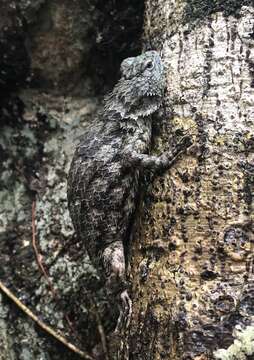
[192, 253]
[51, 81]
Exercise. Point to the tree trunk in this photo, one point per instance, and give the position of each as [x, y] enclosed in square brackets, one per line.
[192, 257]
[57, 59]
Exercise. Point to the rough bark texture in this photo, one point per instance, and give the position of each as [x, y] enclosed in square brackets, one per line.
[192, 258]
[57, 58]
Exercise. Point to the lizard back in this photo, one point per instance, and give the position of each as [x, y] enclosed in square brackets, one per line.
[101, 189]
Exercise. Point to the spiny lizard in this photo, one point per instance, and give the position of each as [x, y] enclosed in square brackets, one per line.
[104, 175]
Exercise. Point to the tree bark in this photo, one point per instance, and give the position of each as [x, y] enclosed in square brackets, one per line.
[190, 261]
[192, 257]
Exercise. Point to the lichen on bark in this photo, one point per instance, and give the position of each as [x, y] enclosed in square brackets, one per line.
[57, 59]
[242, 348]
[198, 10]
[192, 254]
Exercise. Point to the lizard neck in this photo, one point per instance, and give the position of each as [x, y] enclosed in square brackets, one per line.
[140, 108]
[124, 102]
[129, 114]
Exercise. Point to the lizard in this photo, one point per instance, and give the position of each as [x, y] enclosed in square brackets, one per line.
[105, 172]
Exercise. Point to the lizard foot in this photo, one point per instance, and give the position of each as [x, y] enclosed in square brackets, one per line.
[125, 307]
[114, 267]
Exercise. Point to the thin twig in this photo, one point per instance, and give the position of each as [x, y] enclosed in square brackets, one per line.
[57, 335]
[42, 268]
[38, 255]
[100, 328]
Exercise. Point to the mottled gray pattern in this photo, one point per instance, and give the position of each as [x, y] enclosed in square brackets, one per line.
[104, 175]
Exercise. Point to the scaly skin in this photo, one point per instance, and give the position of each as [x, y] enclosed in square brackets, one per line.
[104, 175]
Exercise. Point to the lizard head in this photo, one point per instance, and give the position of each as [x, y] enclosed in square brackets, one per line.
[140, 90]
[144, 73]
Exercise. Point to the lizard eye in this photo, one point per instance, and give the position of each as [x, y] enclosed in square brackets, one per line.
[149, 65]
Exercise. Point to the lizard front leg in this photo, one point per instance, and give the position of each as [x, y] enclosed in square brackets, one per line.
[113, 261]
[163, 162]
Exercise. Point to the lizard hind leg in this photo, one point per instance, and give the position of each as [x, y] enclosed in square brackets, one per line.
[113, 261]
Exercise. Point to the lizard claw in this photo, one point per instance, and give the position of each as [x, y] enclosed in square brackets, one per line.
[184, 143]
